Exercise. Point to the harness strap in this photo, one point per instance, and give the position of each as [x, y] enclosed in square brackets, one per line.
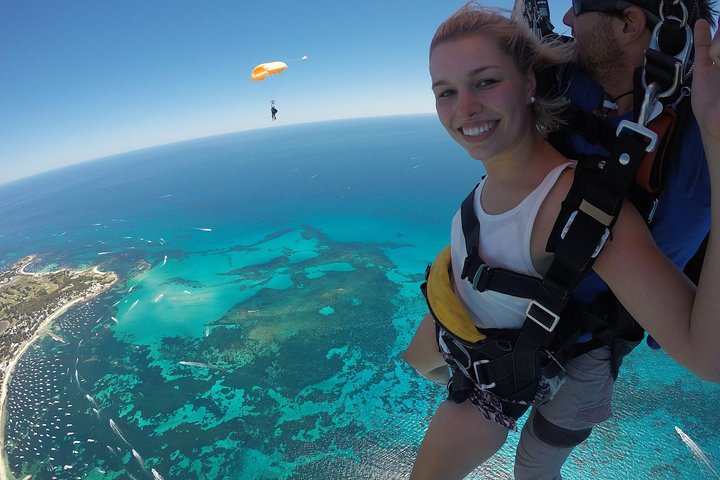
[548, 295]
[662, 69]
[486, 277]
[594, 202]
[595, 129]
[492, 364]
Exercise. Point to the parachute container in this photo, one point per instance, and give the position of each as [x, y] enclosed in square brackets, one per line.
[265, 69]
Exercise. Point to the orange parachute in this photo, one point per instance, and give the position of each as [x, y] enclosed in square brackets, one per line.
[265, 69]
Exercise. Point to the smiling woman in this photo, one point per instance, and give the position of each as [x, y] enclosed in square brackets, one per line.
[482, 67]
[481, 101]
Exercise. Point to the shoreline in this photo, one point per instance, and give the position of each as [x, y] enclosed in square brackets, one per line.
[39, 331]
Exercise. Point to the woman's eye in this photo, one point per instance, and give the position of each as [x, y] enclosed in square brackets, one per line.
[485, 82]
[445, 93]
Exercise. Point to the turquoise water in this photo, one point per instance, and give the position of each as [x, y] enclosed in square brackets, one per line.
[269, 283]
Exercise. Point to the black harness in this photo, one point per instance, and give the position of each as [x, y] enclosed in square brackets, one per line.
[511, 362]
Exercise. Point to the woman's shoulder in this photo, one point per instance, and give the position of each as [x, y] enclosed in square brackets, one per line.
[564, 180]
[550, 208]
[562, 176]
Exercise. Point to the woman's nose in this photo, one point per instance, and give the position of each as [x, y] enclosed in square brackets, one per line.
[468, 103]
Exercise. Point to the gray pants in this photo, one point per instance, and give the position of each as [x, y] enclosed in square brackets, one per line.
[553, 430]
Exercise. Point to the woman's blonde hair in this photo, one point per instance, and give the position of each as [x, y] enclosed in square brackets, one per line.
[514, 38]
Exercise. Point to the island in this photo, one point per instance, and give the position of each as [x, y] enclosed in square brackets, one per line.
[28, 304]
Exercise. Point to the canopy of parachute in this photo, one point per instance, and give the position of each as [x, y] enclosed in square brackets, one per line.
[264, 70]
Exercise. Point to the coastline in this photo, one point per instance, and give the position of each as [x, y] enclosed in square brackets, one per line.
[40, 329]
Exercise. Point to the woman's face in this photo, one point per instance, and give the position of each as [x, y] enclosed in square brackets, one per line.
[481, 97]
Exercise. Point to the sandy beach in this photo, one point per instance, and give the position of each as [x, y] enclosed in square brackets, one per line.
[41, 329]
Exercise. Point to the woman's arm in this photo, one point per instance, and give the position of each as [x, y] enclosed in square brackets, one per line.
[423, 353]
[685, 322]
[658, 295]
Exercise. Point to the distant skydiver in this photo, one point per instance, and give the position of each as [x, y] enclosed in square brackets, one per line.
[273, 110]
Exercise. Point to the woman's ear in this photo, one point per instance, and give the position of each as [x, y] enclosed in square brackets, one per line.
[530, 85]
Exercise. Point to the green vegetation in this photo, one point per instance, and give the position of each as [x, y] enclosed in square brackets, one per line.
[27, 299]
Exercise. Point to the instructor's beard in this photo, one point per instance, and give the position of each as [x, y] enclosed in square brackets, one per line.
[598, 53]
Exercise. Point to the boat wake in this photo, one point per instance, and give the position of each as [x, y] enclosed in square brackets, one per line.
[696, 450]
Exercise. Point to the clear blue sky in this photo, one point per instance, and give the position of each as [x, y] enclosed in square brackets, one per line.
[82, 79]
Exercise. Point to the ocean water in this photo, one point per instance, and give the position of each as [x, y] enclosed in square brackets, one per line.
[269, 283]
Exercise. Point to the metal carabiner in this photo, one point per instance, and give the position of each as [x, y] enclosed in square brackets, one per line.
[648, 104]
[675, 3]
[684, 92]
[682, 57]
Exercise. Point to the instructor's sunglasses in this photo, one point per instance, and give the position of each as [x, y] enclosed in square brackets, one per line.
[602, 6]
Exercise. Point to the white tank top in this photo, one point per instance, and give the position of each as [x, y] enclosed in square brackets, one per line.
[504, 242]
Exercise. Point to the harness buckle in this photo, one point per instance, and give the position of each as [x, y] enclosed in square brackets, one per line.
[601, 242]
[644, 131]
[653, 209]
[468, 265]
[542, 315]
[482, 386]
[650, 107]
[557, 362]
[482, 277]
[463, 363]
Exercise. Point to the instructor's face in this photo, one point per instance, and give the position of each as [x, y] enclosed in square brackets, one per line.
[595, 48]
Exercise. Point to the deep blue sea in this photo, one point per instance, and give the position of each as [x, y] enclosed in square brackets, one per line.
[269, 281]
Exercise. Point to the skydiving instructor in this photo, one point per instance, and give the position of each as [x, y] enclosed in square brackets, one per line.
[609, 46]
